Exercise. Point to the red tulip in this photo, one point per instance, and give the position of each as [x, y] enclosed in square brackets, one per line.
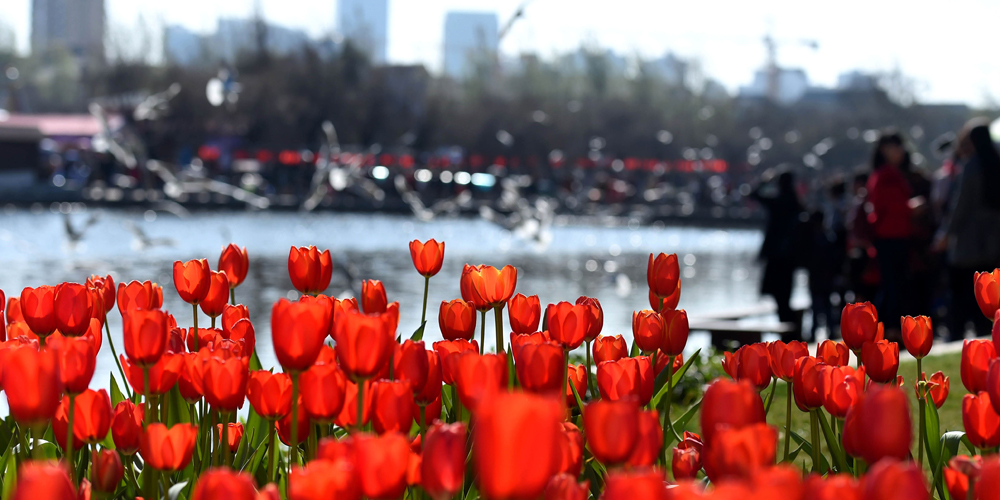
[976, 358]
[608, 348]
[442, 469]
[427, 256]
[649, 442]
[225, 383]
[284, 426]
[783, 357]
[659, 304]
[858, 324]
[373, 298]
[540, 367]
[364, 343]
[242, 332]
[612, 429]
[33, 394]
[73, 305]
[235, 263]
[411, 364]
[675, 324]
[576, 375]
[864, 438]
[740, 453]
[298, 330]
[494, 287]
[917, 335]
[647, 330]
[162, 376]
[881, 360]
[143, 295]
[166, 449]
[570, 450]
[431, 389]
[891, 480]
[686, 461]
[958, 473]
[48, 480]
[596, 317]
[832, 487]
[524, 313]
[987, 287]
[392, 407]
[349, 412]
[568, 323]
[12, 310]
[981, 421]
[841, 387]
[235, 435]
[807, 385]
[647, 484]
[564, 487]
[626, 377]
[38, 308]
[730, 404]
[833, 353]
[233, 313]
[224, 483]
[731, 364]
[457, 320]
[270, 394]
[322, 479]
[126, 426]
[77, 360]
[449, 352]
[663, 274]
[91, 418]
[478, 378]
[471, 285]
[516, 445]
[309, 269]
[754, 365]
[217, 298]
[107, 471]
[192, 279]
[517, 341]
[145, 336]
[382, 464]
[937, 387]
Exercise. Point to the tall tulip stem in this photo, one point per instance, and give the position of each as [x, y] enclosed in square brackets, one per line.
[361, 404]
[590, 386]
[224, 443]
[921, 403]
[566, 381]
[70, 437]
[652, 359]
[788, 418]
[482, 332]
[294, 441]
[194, 308]
[107, 328]
[423, 423]
[270, 451]
[145, 394]
[497, 313]
[666, 410]
[232, 295]
[423, 314]
[814, 437]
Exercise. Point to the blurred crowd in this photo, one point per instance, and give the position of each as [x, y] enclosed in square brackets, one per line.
[908, 240]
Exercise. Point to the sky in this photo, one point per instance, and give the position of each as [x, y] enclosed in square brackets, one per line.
[950, 49]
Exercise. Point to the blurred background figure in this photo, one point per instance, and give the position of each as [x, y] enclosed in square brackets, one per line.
[970, 230]
[782, 237]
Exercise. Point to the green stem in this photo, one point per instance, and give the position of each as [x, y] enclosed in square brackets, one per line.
[232, 295]
[114, 354]
[921, 402]
[293, 442]
[213, 322]
[788, 418]
[666, 412]
[497, 313]
[814, 436]
[194, 309]
[423, 424]
[590, 386]
[145, 395]
[565, 378]
[423, 315]
[70, 437]
[271, 473]
[482, 332]
[225, 440]
[361, 404]
[655, 373]
[164, 407]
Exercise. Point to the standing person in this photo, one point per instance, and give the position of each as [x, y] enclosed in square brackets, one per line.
[778, 251]
[970, 231]
[890, 217]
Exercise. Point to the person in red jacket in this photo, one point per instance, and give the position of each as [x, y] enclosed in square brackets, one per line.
[890, 221]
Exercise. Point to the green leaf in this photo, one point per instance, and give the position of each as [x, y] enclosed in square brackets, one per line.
[177, 409]
[832, 443]
[576, 395]
[9, 476]
[661, 378]
[175, 491]
[255, 361]
[681, 422]
[807, 447]
[511, 374]
[770, 396]
[794, 453]
[684, 368]
[635, 349]
[473, 494]
[116, 393]
[418, 334]
[932, 432]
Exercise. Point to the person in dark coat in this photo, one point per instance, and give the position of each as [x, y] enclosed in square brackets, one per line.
[781, 238]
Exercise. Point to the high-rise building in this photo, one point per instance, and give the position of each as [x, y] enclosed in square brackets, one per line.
[365, 23]
[73, 25]
[468, 36]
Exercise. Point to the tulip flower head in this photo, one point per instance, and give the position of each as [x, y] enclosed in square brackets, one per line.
[976, 357]
[981, 421]
[35, 396]
[215, 301]
[192, 279]
[676, 329]
[783, 357]
[168, 449]
[235, 263]
[833, 353]
[38, 309]
[918, 336]
[457, 320]
[427, 256]
[524, 313]
[937, 387]
[609, 348]
[48, 480]
[881, 360]
[987, 289]
[298, 330]
[648, 330]
[108, 470]
[866, 437]
[310, 269]
[73, 305]
[224, 483]
[596, 317]
[626, 377]
[126, 426]
[858, 324]
[662, 274]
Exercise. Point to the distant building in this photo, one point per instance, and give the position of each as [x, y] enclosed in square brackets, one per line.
[182, 46]
[468, 35]
[232, 38]
[792, 84]
[73, 25]
[669, 68]
[365, 23]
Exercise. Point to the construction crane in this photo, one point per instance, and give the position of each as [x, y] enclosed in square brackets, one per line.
[771, 64]
[518, 14]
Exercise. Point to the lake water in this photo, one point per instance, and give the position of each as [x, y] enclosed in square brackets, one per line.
[604, 261]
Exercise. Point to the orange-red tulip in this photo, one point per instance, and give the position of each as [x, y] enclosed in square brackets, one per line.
[841, 387]
[608, 348]
[524, 313]
[270, 394]
[191, 382]
[48, 480]
[564, 487]
[32, 384]
[284, 426]
[626, 377]
[649, 441]
[192, 279]
[411, 364]
[38, 309]
[77, 360]
[107, 471]
[937, 387]
[661, 363]
[322, 389]
[143, 295]
[833, 353]
[858, 324]
[832, 487]
[959, 471]
[987, 288]
[215, 301]
[881, 360]
[807, 385]
[323, 479]
[12, 310]
[233, 313]
[92, 415]
[686, 463]
[675, 328]
[242, 332]
[647, 330]
[571, 450]
[471, 285]
[863, 436]
[235, 435]
[298, 330]
[576, 375]
[976, 358]
[392, 409]
[348, 416]
[783, 357]
[892, 480]
[427, 256]
[449, 352]
[373, 298]
[729, 404]
[612, 429]
[568, 324]
[382, 463]
[519, 340]
[740, 453]
[754, 365]
[442, 469]
[73, 305]
[309, 269]
[364, 343]
[662, 274]
[516, 445]
[126, 426]
[981, 421]
[225, 383]
[479, 377]
[457, 320]
[235, 263]
[596, 317]
[168, 450]
[162, 376]
[917, 335]
[432, 386]
[659, 304]
[540, 367]
[145, 336]
[648, 484]
[224, 483]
